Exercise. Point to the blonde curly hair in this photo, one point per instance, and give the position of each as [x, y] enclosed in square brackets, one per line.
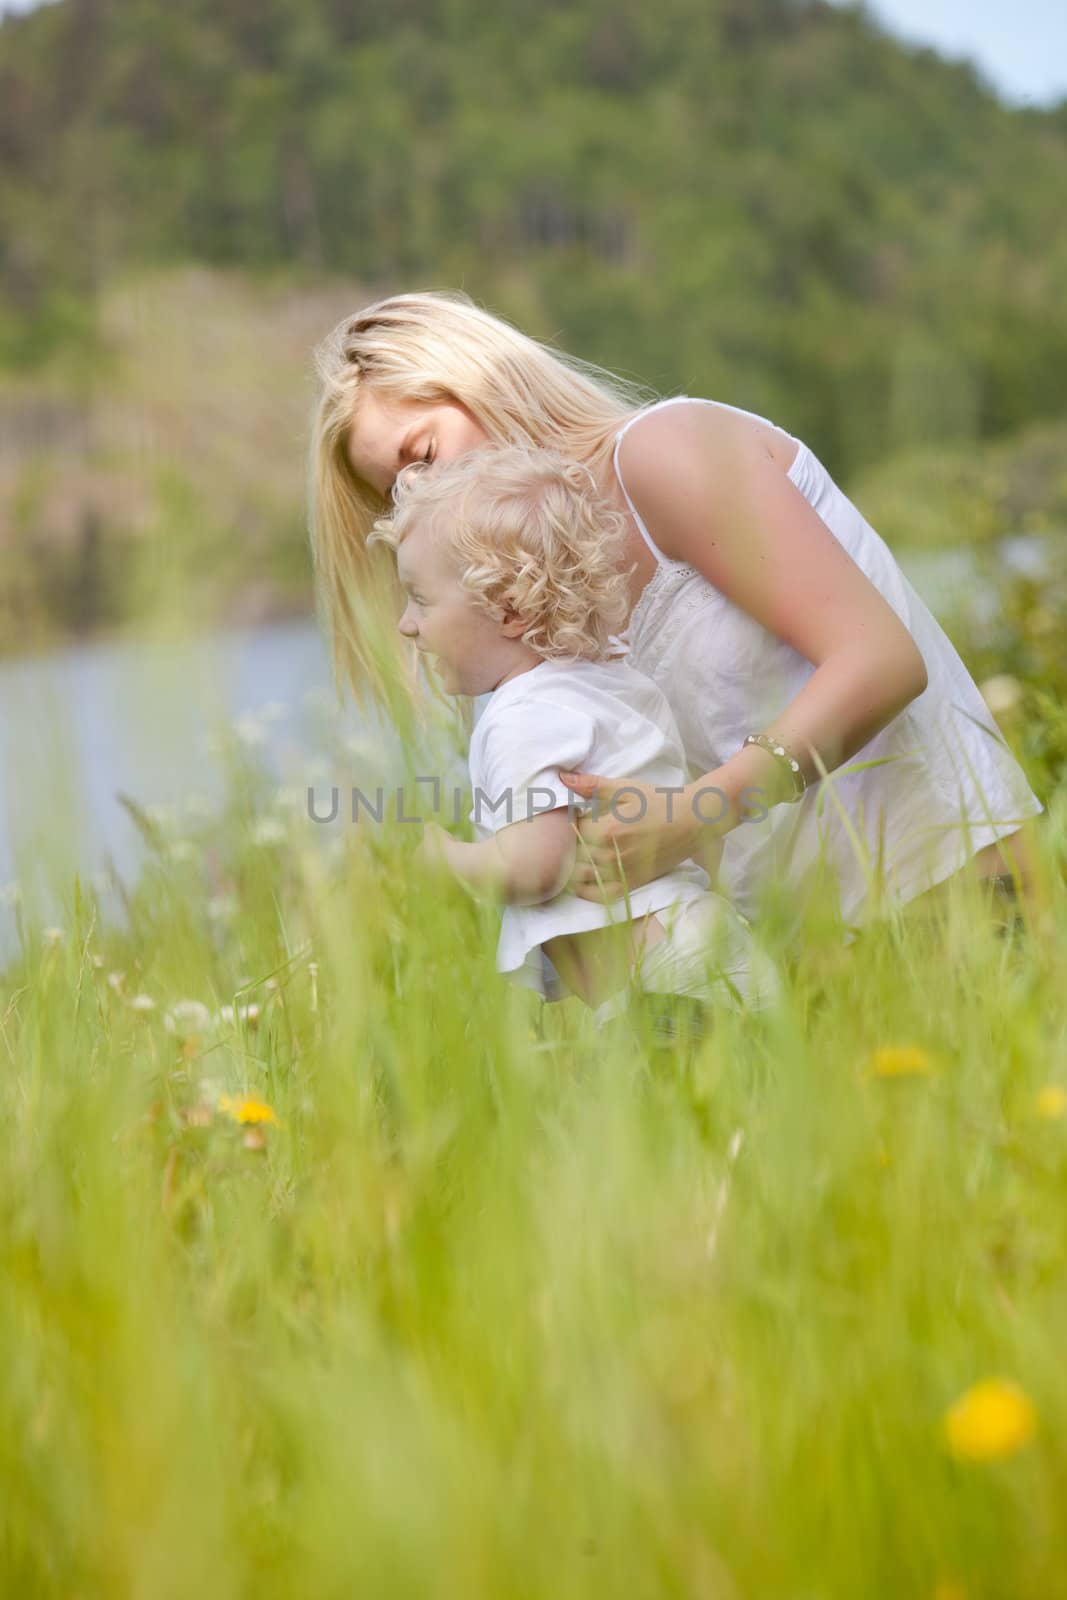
[530, 533]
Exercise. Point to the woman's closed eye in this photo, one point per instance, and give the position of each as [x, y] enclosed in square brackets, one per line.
[418, 465]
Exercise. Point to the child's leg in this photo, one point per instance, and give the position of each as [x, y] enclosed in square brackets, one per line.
[711, 954]
[706, 950]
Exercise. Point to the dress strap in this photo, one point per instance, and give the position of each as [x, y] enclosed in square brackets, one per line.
[661, 559]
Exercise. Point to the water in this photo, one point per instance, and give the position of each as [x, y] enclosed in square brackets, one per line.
[81, 725]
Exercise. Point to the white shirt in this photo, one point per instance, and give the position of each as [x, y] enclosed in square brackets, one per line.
[944, 783]
[584, 716]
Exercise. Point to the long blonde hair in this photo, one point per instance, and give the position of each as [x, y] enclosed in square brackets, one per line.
[433, 348]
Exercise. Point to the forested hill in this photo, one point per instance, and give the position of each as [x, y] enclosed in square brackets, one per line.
[766, 198]
[767, 201]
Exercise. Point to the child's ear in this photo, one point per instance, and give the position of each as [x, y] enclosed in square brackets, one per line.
[513, 625]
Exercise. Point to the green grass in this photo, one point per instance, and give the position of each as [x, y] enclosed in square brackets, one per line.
[503, 1305]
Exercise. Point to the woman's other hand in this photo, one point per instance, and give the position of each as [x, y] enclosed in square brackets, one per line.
[639, 833]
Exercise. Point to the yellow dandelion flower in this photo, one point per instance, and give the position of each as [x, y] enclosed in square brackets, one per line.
[990, 1421]
[901, 1061]
[243, 1109]
[1052, 1102]
[950, 1589]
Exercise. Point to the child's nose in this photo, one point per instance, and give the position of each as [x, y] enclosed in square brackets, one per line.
[407, 625]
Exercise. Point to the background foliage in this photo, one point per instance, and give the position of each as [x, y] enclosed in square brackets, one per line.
[766, 201]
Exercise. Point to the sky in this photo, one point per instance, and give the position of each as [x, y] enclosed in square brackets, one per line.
[1019, 46]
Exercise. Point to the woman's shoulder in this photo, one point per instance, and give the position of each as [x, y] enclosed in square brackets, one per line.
[699, 472]
[686, 428]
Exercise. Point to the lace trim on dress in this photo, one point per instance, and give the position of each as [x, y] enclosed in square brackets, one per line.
[664, 599]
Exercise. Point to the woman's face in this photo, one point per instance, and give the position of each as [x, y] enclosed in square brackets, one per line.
[388, 435]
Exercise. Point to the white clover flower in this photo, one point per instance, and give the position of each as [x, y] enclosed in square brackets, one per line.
[186, 1017]
[98, 962]
[268, 831]
[249, 1014]
[116, 980]
[52, 936]
[142, 1002]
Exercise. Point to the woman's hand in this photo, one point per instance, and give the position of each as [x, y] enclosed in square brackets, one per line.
[640, 833]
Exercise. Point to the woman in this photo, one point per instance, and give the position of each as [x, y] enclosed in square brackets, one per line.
[773, 616]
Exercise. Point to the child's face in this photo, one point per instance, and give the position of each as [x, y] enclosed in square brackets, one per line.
[474, 653]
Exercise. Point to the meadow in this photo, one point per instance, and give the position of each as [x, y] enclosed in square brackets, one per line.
[331, 1266]
[334, 1266]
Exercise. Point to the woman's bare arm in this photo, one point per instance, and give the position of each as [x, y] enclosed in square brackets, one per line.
[711, 494]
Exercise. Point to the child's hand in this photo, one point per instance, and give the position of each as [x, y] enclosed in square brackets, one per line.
[431, 853]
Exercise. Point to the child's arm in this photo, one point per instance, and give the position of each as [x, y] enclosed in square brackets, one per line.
[523, 864]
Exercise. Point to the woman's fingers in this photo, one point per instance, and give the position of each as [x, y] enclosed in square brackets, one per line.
[604, 857]
[602, 892]
[595, 881]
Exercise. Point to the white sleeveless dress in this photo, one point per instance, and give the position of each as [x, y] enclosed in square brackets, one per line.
[946, 783]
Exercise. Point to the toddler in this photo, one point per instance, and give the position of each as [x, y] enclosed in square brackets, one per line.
[510, 565]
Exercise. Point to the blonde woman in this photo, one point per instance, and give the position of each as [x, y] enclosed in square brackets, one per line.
[510, 566]
[797, 658]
